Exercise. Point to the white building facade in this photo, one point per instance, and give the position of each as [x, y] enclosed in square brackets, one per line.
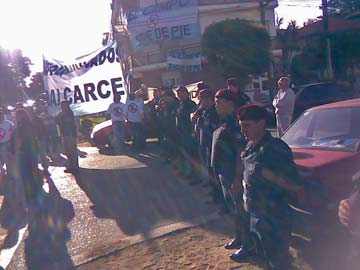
[150, 63]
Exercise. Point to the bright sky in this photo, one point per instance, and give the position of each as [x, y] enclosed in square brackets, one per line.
[68, 28]
[57, 28]
[299, 10]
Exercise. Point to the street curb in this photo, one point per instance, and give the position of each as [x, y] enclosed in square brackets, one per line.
[78, 260]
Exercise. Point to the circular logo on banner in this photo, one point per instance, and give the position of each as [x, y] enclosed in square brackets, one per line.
[133, 108]
[117, 111]
[2, 133]
[152, 21]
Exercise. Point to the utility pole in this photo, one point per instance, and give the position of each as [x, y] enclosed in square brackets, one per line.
[329, 69]
[262, 6]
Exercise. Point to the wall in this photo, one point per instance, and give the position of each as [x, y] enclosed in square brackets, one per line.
[210, 11]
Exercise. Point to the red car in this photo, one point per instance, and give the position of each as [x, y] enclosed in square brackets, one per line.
[325, 141]
[102, 134]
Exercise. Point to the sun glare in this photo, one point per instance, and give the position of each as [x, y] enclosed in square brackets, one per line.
[60, 29]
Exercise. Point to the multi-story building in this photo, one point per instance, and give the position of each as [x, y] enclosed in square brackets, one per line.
[149, 64]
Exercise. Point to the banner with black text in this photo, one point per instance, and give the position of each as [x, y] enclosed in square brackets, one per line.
[164, 20]
[88, 83]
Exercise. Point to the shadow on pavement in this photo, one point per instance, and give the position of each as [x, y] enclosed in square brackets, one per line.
[12, 212]
[142, 198]
[45, 246]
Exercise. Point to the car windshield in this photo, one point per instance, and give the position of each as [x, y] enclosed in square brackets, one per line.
[326, 129]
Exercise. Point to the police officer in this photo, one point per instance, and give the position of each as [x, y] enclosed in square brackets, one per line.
[270, 182]
[207, 122]
[242, 99]
[184, 128]
[168, 105]
[226, 144]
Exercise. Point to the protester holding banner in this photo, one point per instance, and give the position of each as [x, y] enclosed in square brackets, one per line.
[135, 117]
[117, 111]
[66, 121]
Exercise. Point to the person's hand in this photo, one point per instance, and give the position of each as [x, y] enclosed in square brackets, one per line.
[344, 212]
[194, 116]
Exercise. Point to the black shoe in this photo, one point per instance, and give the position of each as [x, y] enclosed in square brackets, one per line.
[233, 244]
[242, 254]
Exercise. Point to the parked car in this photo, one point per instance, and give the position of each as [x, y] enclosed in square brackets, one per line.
[102, 134]
[325, 142]
[310, 95]
[87, 122]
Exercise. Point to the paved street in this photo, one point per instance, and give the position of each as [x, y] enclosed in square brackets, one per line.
[114, 201]
[93, 221]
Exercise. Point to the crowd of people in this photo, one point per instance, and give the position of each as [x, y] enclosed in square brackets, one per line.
[221, 142]
[28, 137]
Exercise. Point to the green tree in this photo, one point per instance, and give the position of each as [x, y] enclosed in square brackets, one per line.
[346, 7]
[288, 40]
[20, 67]
[14, 68]
[238, 47]
[36, 87]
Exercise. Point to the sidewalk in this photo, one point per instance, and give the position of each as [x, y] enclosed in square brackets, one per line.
[199, 248]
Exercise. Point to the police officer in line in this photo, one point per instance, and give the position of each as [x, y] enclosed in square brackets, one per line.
[207, 122]
[242, 99]
[200, 86]
[226, 145]
[168, 107]
[154, 110]
[184, 129]
[270, 182]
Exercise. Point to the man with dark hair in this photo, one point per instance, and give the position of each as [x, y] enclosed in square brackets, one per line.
[184, 129]
[242, 99]
[117, 112]
[207, 122]
[66, 121]
[226, 145]
[167, 115]
[270, 182]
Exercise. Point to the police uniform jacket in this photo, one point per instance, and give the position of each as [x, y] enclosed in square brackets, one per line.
[242, 99]
[168, 106]
[206, 124]
[262, 197]
[227, 141]
[183, 112]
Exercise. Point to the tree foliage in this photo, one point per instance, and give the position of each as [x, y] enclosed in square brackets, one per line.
[14, 69]
[288, 40]
[310, 64]
[345, 7]
[36, 87]
[238, 47]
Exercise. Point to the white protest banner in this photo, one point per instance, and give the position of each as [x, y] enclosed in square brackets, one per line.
[178, 61]
[166, 20]
[88, 83]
